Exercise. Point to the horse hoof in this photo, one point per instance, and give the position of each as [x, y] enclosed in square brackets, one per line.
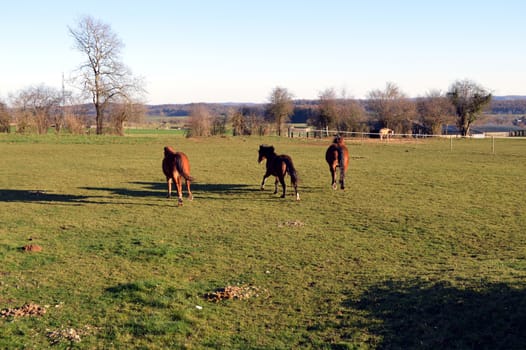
[297, 196]
[334, 187]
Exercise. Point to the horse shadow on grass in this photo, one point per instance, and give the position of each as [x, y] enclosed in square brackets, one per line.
[159, 189]
[200, 189]
[422, 315]
[13, 195]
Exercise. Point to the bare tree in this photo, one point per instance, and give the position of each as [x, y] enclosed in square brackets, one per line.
[327, 115]
[239, 124]
[5, 118]
[434, 110]
[338, 112]
[219, 124]
[469, 100]
[75, 114]
[200, 120]
[102, 76]
[351, 115]
[124, 111]
[393, 108]
[38, 108]
[255, 120]
[280, 108]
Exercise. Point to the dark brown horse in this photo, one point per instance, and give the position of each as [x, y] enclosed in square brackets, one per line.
[278, 166]
[337, 156]
[175, 167]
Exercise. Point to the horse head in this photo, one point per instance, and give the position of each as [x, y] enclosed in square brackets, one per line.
[338, 139]
[169, 151]
[264, 152]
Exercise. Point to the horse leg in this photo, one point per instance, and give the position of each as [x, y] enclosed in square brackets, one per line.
[283, 185]
[276, 185]
[179, 185]
[295, 184]
[190, 196]
[264, 179]
[332, 168]
[169, 182]
[342, 178]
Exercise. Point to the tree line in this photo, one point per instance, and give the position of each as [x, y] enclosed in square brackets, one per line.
[389, 108]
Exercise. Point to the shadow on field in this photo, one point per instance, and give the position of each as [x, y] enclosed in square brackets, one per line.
[440, 316]
[199, 190]
[156, 187]
[39, 196]
[127, 192]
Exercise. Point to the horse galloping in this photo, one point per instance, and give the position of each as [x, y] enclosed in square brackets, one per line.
[386, 133]
[337, 156]
[175, 167]
[278, 166]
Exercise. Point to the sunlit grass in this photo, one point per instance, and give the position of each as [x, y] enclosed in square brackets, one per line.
[421, 230]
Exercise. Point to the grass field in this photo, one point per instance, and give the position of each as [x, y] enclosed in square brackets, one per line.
[426, 248]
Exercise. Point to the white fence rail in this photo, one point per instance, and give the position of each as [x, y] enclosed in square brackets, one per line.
[320, 133]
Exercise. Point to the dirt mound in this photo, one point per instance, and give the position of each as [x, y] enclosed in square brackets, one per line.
[70, 335]
[25, 310]
[295, 223]
[233, 292]
[32, 248]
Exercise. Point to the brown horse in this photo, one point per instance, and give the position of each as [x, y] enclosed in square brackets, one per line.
[278, 166]
[175, 167]
[337, 156]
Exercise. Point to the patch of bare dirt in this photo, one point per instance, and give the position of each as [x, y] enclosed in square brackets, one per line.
[233, 292]
[32, 248]
[25, 310]
[295, 223]
[70, 335]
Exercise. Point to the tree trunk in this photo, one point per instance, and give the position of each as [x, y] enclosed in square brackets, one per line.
[98, 117]
[464, 130]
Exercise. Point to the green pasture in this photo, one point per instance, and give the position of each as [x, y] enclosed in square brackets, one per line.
[426, 248]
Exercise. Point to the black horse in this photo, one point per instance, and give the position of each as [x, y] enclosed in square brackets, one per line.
[278, 166]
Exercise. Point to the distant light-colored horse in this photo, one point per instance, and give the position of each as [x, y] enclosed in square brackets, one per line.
[386, 133]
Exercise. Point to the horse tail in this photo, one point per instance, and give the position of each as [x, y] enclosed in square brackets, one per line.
[340, 156]
[291, 170]
[181, 166]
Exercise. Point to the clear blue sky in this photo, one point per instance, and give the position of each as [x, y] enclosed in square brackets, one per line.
[239, 50]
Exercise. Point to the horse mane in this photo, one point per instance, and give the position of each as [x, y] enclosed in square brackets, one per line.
[338, 139]
[169, 151]
[267, 148]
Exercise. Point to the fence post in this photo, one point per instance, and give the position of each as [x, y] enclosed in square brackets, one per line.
[493, 144]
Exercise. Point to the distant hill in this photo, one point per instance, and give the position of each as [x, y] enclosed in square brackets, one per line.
[511, 104]
[182, 110]
[509, 98]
